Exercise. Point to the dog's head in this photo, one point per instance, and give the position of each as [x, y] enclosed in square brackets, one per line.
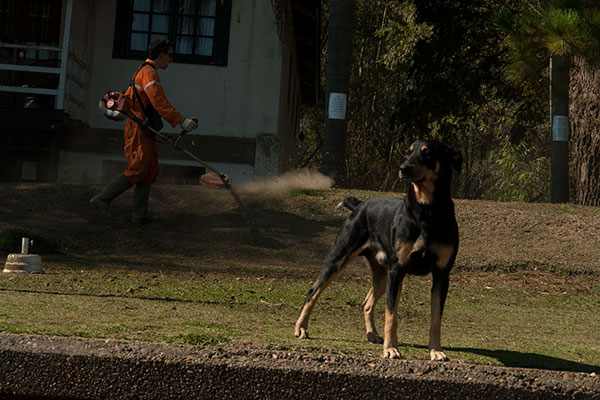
[428, 162]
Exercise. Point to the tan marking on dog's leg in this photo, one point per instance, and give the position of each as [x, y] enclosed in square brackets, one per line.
[368, 307]
[435, 347]
[301, 327]
[390, 340]
[443, 253]
[419, 246]
[379, 278]
[403, 250]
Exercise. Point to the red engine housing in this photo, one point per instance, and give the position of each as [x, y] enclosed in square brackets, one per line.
[117, 101]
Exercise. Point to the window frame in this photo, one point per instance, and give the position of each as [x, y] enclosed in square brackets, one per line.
[123, 31]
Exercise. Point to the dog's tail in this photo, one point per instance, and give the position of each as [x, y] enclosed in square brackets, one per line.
[349, 202]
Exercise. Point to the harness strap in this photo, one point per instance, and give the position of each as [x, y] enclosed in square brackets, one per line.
[132, 83]
[145, 117]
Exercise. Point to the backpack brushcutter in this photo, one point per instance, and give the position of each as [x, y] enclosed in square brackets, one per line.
[117, 106]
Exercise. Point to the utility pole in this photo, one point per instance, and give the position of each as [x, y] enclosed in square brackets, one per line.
[559, 122]
[339, 65]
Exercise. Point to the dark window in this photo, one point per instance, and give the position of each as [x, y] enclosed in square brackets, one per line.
[30, 21]
[198, 28]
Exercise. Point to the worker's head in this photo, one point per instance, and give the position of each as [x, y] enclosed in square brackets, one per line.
[161, 52]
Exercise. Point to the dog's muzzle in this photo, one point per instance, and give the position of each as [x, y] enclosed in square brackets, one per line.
[407, 171]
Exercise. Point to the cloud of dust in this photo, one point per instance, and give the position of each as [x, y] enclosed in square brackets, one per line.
[286, 183]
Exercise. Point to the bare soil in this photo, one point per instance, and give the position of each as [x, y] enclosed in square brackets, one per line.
[193, 222]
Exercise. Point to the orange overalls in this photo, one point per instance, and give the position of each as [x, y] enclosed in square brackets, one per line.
[140, 148]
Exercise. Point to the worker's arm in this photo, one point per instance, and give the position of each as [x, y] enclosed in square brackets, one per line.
[156, 94]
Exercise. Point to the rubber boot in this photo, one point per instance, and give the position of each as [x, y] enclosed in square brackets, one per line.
[140, 204]
[114, 188]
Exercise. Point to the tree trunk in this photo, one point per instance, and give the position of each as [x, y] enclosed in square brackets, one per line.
[585, 134]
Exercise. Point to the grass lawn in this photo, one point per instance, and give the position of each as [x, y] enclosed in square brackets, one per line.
[212, 273]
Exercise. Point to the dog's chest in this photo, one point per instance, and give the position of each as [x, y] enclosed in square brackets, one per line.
[422, 247]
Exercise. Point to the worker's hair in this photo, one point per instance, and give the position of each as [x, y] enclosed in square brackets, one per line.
[158, 46]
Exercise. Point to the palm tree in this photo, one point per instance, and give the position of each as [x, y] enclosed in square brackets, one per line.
[551, 33]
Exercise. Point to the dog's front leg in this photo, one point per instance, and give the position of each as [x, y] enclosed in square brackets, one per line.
[394, 287]
[439, 290]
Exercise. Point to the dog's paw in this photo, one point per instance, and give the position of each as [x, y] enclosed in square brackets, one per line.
[437, 355]
[301, 333]
[391, 352]
[373, 337]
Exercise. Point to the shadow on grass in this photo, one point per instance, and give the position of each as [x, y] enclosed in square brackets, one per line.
[517, 359]
[127, 264]
[115, 296]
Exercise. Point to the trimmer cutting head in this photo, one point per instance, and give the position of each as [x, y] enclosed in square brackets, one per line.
[214, 180]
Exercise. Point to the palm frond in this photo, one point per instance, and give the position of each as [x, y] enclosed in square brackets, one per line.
[503, 18]
[564, 32]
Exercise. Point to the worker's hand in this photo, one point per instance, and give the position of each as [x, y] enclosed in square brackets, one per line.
[189, 124]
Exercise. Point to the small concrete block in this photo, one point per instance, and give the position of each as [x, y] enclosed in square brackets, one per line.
[23, 263]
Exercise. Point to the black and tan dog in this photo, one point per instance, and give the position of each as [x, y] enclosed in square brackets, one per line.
[416, 235]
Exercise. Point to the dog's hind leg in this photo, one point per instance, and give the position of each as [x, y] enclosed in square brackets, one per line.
[378, 277]
[347, 246]
[439, 290]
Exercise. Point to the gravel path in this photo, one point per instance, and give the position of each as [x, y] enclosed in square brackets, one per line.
[43, 367]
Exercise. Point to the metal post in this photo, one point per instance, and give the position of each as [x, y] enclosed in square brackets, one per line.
[24, 245]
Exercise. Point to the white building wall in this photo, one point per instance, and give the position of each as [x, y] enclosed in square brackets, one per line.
[239, 100]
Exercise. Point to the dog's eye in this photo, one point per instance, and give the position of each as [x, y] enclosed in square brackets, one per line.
[426, 152]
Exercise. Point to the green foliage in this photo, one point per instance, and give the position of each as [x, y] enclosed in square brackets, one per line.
[533, 33]
[521, 174]
[438, 69]
[564, 35]
[399, 33]
[386, 36]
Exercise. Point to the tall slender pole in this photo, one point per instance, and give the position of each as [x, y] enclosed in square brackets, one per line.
[559, 122]
[64, 56]
[339, 65]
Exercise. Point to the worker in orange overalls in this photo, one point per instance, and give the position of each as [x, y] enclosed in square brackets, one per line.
[149, 101]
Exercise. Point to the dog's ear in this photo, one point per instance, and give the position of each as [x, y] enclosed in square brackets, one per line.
[455, 159]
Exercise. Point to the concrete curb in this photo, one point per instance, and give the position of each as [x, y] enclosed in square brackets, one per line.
[63, 368]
